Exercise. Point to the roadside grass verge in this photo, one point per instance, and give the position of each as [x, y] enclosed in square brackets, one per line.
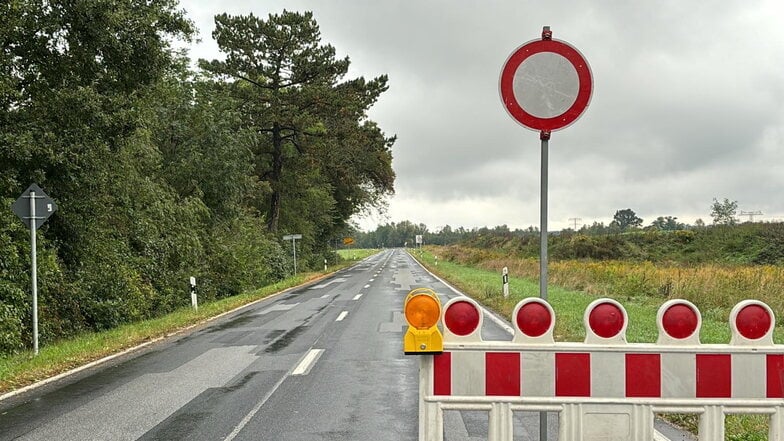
[22, 369]
[356, 254]
[485, 286]
[569, 305]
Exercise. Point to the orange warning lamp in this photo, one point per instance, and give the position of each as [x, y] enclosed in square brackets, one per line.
[422, 310]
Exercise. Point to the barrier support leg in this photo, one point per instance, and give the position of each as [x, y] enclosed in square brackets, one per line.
[776, 428]
[500, 422]
[642, 423]
[431, 416]
[570, 427]
[712, 424]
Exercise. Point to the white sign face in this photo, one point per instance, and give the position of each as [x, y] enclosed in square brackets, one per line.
[546, 84]
[419, 239]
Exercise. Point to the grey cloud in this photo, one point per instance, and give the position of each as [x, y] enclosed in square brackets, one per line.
[688, 104]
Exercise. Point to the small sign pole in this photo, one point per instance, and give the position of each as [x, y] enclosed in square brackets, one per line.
[32, 206]
[34, 259]
[294, 245]
[293, 238]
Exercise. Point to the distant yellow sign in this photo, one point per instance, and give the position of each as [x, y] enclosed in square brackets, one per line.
[348, 241]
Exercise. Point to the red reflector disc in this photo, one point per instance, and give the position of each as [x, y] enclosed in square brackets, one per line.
[461, 318]
[753, 322]
[606, 320]
[679, 321]
[533, 319]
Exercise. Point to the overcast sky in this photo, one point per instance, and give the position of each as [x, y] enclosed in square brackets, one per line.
[687, 106]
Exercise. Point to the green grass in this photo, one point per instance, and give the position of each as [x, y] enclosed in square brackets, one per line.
[569, 306]
[22, 369]
[356, 254]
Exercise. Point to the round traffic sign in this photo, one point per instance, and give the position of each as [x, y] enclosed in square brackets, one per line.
[546, 84]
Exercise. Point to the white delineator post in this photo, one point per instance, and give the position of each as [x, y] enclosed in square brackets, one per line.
[505, 280]
[194, 300]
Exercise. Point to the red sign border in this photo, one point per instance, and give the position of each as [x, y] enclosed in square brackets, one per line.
[584, 91]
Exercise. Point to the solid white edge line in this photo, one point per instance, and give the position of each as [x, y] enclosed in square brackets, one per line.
[356, 297]
[341, 316]
[657, 436]
[307, 362]
[497, 320]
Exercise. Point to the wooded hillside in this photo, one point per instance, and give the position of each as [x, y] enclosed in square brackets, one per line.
[162, 172]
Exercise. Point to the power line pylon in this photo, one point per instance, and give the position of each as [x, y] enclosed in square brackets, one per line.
[751, 214]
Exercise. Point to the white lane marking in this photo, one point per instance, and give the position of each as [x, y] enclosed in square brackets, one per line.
[367, 286]
[372, 280]
[325, 296]
[304, 366]
[356, 297]
[330, 282]
[341, 316]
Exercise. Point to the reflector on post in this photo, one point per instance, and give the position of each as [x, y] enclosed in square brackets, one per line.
[422, 310]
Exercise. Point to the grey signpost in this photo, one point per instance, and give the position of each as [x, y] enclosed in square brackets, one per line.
[293, 238]
[34, 207]
[545, 85]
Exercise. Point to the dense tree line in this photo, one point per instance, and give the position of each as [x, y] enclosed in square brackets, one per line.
[161, 172]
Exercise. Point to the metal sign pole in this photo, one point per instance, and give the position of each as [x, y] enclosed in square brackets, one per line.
[33, 258]
[544, 136]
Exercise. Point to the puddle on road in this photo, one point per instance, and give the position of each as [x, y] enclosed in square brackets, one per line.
[237, 321]
[285, 340]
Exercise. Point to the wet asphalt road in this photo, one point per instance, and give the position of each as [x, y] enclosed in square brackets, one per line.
[322, 362]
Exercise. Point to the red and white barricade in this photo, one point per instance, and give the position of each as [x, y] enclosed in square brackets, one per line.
[604, 388]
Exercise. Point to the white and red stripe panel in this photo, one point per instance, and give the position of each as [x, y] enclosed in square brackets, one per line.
[609, 375]
[605, 366]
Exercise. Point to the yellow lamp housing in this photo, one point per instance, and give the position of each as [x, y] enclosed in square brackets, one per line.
[422, 309]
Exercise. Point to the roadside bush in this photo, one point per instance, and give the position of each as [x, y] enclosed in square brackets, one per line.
[772, 252]
[10, 328]
[241, 255]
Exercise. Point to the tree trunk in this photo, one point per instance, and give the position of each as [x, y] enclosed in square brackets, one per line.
[273, 216]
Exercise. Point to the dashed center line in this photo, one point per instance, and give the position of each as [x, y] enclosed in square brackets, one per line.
[356, 297]
[372, 280]
[304, 366]
[367, 286]
[325, 296]
[341, 316]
